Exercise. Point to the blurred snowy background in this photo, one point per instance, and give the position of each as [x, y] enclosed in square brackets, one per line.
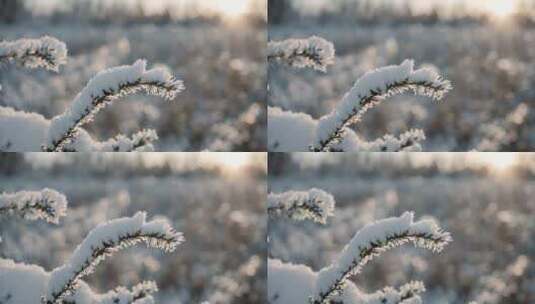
[216, 48]
[486, 201]
[217, 201]
[484, 47]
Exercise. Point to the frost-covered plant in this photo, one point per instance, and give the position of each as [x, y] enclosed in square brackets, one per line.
[45, 52]
[48, 205]
[314, 52]
[64, 285]
[289, 131]
[21, 131]
[293, 283]
[315, 205]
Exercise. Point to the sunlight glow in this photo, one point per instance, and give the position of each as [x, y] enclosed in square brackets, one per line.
[500, 8]
[231, 161]
[231, 8]
[499, 162]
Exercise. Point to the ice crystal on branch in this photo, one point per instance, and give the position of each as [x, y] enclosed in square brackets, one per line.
[141, 141]
[106, 87]
[373, 240]
[45, 52]
[314, 52]
[47, 204]
[370, 90]
[102, 242]
[141, 293]
[314, 204]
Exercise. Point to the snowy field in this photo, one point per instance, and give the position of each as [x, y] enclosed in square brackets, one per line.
[219, 209]
[490, 66]
[222, 66]
[489, 209]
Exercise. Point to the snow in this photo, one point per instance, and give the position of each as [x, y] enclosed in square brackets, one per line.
[314, 52]
[314, 204]
[46, 204]
[22, 131]
[105, 87]
[35, 280]
[46, 52]
[294, 283]
[106, 239]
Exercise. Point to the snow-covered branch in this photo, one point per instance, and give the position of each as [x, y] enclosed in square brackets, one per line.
[314, 204]
[369, 91]
[371, 241]
[45, 52]
[102, 242]
[47, 204]
[141, 293]
[106, 87]
[314, 52]
[140, 141]
[406, 294]
[406, 142]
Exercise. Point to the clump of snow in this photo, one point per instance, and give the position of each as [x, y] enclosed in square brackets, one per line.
[314, 52]
[23, 283]
[314, 204]
[47, 204]
[45, 52]
[293, 283]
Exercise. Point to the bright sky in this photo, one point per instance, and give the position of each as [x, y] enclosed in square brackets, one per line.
[495, 7]
[229, 8]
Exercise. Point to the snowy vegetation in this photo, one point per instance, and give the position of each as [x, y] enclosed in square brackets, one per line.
[64, 284]
[222, 261]
[484, 56]
[331, 132]
[293, 283]
[455, 189]
[21, 131]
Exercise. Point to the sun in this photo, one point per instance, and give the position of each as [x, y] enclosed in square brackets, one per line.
[231, 161]
[500, 8]
[232, 8]
[499, 162]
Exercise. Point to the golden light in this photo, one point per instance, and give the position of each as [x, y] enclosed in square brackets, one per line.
[231, 161]
[499, 163]
[231, 8]
[499, 8]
